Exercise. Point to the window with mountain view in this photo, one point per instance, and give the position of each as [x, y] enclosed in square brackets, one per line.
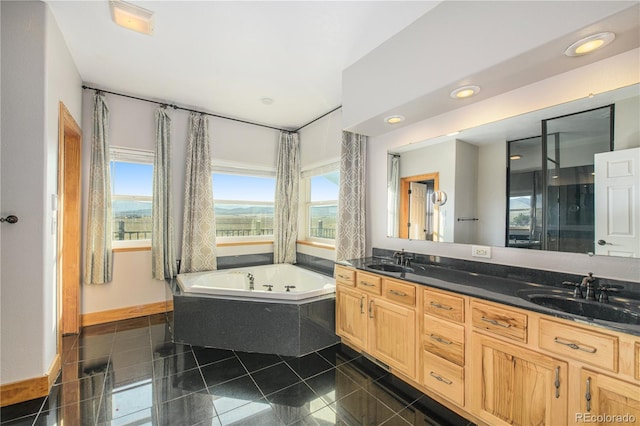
[322, 206]
[243, 205]
[131, 195]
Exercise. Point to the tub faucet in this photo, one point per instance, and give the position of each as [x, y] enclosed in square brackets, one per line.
[250, 276]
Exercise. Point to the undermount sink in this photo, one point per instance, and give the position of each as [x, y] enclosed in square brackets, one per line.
[389, 267]
[585, 308]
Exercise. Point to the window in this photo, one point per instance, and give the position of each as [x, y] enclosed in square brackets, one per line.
[131, 196]
[321, 204]
[243, 205]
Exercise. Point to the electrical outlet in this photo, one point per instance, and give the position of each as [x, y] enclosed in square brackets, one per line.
[481, 251]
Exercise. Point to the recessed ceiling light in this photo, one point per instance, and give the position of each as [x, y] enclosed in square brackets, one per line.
[589, 44]
[267, 100]
[453, 133]
[464, 92]
[515, 157]
[131, 16]
[394, 119]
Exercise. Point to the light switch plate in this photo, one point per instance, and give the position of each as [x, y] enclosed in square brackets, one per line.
[481, 251]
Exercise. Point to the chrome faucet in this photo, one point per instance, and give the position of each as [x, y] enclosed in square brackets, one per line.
[402, 258]
[250, 276]
[589, 282]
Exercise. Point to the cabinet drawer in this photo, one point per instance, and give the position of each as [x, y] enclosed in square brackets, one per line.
[588, 346]
[444, 339]
[444, 377]
[368, 282]
[345, 276]
[399, 292]
[444, 305]
[500, 321]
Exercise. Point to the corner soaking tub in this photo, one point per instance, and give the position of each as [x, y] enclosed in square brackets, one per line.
[218, 309]
[269, 282]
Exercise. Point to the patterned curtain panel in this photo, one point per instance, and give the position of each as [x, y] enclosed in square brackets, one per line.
[285, 221]
[163, 257]
[350, 233]
[98, 256]
[199, 226]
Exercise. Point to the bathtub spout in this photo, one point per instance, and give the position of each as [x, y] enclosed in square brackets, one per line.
[250, 276]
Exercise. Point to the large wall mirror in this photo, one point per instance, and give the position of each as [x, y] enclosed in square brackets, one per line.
[526, 182]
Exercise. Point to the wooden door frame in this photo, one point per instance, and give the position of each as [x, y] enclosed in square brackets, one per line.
[69, 211]
[405, 184]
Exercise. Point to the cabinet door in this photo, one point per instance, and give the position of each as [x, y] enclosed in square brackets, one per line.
[392, 337]
[606, 400]
[517, 386]
[351, 320]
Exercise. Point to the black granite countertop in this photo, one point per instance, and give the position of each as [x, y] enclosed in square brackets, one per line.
[509, 291]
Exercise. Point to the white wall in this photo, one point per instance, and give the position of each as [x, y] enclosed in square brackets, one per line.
[627, 125]
[37, 73]
[492, 179]
[619, 71]
[465, 192]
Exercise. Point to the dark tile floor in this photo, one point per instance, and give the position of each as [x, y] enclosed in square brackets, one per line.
[130, 373]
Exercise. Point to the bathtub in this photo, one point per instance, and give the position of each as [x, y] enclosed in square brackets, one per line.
[236, 283]
[218, 310]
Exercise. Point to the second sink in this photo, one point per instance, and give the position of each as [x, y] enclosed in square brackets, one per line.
[585, 308]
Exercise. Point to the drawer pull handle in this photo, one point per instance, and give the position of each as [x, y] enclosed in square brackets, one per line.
[494, 322]
[440, 378]
[439, 306]
[362, 305]
[344, 277]
[440, 339]
[366, 284]
[556, 383]
[575, 346]
[587, 395]
[398, 293]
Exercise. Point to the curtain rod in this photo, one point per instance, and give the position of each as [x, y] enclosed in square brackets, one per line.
[316, 119]
[188, 109]
[210, 114]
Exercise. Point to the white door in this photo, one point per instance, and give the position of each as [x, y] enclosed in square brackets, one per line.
[418, 211]
[617, 197]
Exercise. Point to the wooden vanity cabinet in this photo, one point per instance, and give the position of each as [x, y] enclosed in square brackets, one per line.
[516, 386]
[602, 395]
[442, 338]
[381, 323]
[495, 364]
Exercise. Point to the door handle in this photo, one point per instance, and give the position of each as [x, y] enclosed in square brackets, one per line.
[9, 219]
[603, 242]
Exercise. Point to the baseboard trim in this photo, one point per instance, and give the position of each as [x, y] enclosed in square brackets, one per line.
[129, 312]
[26, 390]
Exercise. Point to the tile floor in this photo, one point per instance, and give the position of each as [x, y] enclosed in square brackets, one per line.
[130, 373]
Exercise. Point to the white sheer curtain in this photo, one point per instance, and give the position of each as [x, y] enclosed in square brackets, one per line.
[285, 221]
[350, 234]
[98, 255]
[393, 194]
[163, 257]
[199, 226]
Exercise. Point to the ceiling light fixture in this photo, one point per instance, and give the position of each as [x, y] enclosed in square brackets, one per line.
[589, 44]
[131, 16]
[394, 119]
[267, 100]
[465, 92]
[515, 157]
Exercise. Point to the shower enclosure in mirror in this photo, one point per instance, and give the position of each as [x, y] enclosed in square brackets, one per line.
[550, 185]
[535, 210]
